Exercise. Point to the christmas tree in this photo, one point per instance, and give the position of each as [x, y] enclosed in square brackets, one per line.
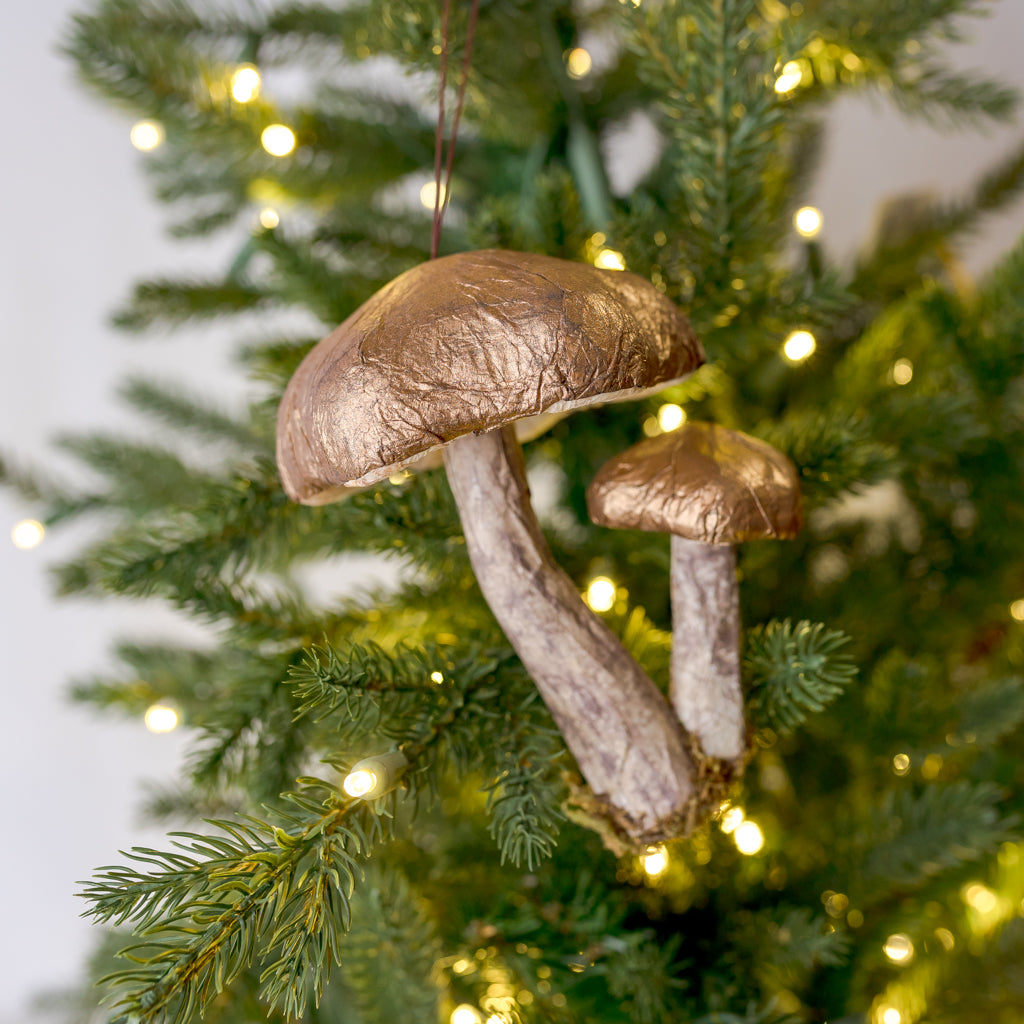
[384, 820]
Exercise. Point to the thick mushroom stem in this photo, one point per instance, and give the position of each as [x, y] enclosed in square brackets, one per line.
[705, 669]
[626, 740]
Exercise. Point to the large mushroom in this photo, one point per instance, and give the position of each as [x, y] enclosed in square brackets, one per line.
[710, 488]
[450, 354]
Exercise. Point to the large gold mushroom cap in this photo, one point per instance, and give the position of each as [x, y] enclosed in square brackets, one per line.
[703, 482]
[466, 344]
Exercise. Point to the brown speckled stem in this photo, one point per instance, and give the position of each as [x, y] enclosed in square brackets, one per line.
[705, 673]
[622, 732]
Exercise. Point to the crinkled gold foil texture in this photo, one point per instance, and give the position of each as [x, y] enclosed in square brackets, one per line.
[703, 482]
[469, 343]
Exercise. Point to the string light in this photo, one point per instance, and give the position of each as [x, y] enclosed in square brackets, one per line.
[748, 837]
[277, 139]
[578, 62]
[245, 83]
[731, 820]
[902, 371]
[600, 594]
[465, 1014]
[1017, 609]
[671, 417]
[792, 75]
[146, 135]
[901, 764]
[899, 949]
[798, 346]
[360, 783]
[269, 218]
[655, 861]
[27, 534]
[889, 1015]
[437, 677]
[374, 776]
[161, 717]
[807, 221]
[980, 897]
[428, 192]
[609, 259]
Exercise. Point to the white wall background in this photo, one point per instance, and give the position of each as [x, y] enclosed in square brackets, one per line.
[77, 229]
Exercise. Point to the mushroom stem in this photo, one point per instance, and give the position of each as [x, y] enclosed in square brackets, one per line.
[705, 670]
[629, 747]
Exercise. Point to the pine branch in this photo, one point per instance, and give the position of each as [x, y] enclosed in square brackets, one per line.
[795, 670]
[992, 712]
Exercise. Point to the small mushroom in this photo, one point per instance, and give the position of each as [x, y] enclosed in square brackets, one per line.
[449, 355]
[711, 488]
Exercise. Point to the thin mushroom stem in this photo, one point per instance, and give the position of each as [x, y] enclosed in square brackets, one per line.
[705, 668]
[629, 747]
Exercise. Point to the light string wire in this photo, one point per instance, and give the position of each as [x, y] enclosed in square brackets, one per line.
[442, 190]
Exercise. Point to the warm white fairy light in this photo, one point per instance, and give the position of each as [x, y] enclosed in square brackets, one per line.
[807, 221]
[655, 861]
[792, 75]
[799, 346]
[902, 371]
[269, 218]
[609, 259]
[748, 837]
[578, 62]
[731, 819]
[889, 1015]
[161, 717]
[600, 594]
[899, 949]
[901, 764]
[360, 783]
[980, 898]
[245, 84]
[671, 417]
[1017, 609]
[278, 139]
[465, 1014]
[437, 677]
[428, 192]
[146, 135]
[27, 534]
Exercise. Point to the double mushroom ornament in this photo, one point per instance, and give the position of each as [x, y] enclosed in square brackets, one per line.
[448, 357]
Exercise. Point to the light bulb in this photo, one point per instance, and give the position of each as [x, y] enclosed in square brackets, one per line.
[465, 1014]
[27, 534]
[245, 83]
[731, 820]
[1016, 609]
[807, 221]
[278, 139]
[655, 861]
[609, 259]
[578, 62]
[146, 135]
[748, 837]
[902, 371]
[360, 783]
[899, 949]
[671, 416]
[161, 718]
[437, 677]
[798, 346]
[901, 764]
[791, 76]
[601, 594]
[429, 192]
[980, 897]
[269, 218]
[890, 1015]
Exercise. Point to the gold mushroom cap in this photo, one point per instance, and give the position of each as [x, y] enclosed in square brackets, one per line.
[466, 344]
[702, 482]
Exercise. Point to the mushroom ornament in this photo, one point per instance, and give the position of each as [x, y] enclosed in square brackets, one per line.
[448, 356]
[710, 488]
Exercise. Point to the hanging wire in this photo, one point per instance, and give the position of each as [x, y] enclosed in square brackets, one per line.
[442, 190]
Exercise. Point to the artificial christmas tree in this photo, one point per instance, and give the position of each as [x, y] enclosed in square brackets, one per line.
[866, 865]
